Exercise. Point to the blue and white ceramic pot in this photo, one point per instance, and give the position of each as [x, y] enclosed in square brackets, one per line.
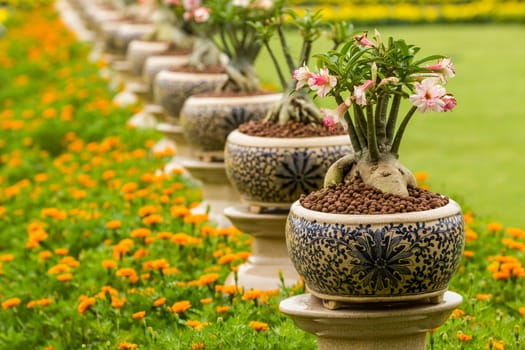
[376, 258]
[139, 50]
[273, 172]
[172, 88]
[208, 120]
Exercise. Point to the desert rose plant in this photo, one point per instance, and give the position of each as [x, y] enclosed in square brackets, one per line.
[226, 31]
[368, 80]
[297, 104]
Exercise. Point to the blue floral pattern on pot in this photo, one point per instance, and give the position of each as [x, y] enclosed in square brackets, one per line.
[299, 173]
[396, 259]
[275, 176]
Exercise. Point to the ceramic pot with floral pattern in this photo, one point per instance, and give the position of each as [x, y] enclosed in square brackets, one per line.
[273, 172]
[156, 63]
[139, 50]
[376, 258]
[208, 120]
[172, 88]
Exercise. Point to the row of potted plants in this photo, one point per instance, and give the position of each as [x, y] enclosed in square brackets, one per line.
[368, 80]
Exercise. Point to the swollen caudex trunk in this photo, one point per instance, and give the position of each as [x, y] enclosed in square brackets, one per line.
[387, 175]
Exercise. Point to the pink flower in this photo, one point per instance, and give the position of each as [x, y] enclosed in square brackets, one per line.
[322, 82]
[450, 102]
[301, 75]
[360, 92]
[241, 3]
[191, 4]
[201, 14]
[332, 117]
[445, 67]
[263, 4]
[429, 96]
[363, 41]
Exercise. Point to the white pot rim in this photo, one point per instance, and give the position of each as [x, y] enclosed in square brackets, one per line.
[190, 76]
[451, 209]
[238, 138]
[196, 100]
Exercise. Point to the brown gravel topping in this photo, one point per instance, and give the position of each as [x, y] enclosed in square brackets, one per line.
[290, 129]
[358, 198]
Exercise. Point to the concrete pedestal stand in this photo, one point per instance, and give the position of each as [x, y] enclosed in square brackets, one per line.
[369, 326]
[269, 257]
[217, 192]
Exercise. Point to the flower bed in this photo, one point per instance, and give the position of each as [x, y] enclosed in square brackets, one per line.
[98, 249]
[429, 11]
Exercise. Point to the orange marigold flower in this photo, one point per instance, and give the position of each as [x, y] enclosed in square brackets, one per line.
[515, 232]
[159, 302]
[7, 257]
[179, 211]
[259, 326]
[152, 219]
[140, 232]
[228, 259]
[182, 238]
[180, 306]
[127, 346]
[521, 310]
[468, 217]
[140, 253]
[483, 297]
[69, 261]
[222, 309]
[10, 303]
[252, 294]
[129, 187]
[468, 254]
[457, 313]
[65, 277]
[494, 227]
[148, 210]
[117, 303]
[229, 289]
[164, 235]
[58, 269]
[195, 218]
[206, 301]
[139, 315]
[109, 264]
[85, 303]
[463, 337]
[197, 346]
[470, 235]
[113, 224]
[61, 251]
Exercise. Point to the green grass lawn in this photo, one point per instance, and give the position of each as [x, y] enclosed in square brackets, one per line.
[473, 154]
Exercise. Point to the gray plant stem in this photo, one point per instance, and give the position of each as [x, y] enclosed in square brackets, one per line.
[356, 144]
[373, 149]
[286, 50]
[380, 121]
[400, 131]
[360, 124]
[282, 79]
[392, 116]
